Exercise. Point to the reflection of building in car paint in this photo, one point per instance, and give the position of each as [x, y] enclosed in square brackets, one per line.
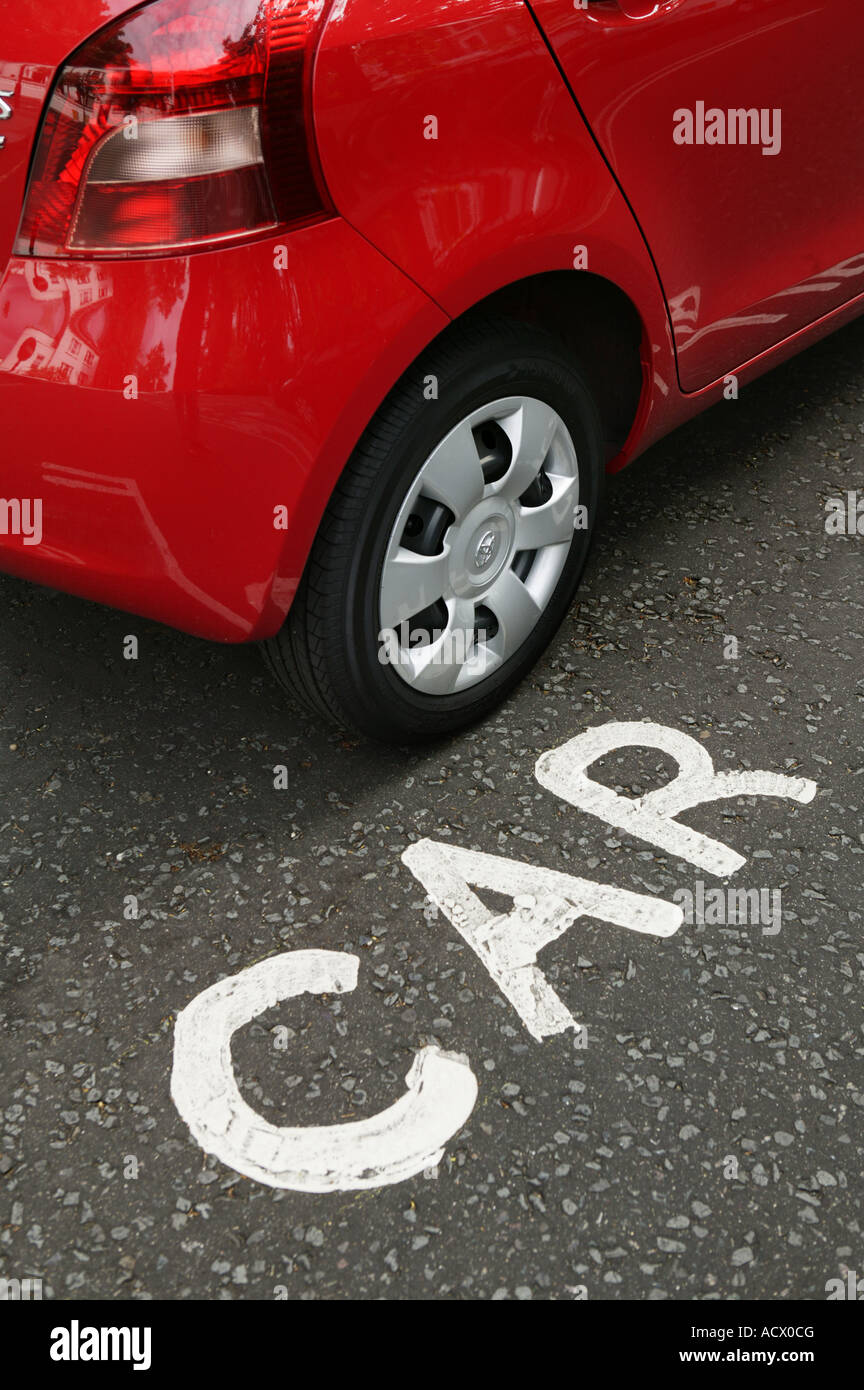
[32, 81]
[87, 285]
[67, 356]
[684, 307]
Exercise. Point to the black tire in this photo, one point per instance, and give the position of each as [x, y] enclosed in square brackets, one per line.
[327, 652]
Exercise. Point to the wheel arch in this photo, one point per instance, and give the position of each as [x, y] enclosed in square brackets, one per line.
[601, 328]
[588, 313]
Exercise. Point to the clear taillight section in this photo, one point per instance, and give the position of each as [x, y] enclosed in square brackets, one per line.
[180, 125]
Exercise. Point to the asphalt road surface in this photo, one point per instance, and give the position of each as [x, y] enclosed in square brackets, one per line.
[705, 1144]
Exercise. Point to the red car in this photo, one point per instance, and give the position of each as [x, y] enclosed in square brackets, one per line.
[321, 321]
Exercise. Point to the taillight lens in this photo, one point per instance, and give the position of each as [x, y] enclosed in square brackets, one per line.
[184, 123]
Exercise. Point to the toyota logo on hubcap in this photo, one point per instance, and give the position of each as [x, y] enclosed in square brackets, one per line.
[486, 548]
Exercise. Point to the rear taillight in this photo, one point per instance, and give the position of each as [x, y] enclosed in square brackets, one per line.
[184, 123]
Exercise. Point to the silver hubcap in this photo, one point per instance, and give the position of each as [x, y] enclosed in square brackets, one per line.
[478, 546]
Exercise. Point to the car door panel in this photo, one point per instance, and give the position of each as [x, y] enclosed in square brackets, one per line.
[755, 239]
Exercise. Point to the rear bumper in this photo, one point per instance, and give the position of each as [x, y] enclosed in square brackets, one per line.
[163, 410]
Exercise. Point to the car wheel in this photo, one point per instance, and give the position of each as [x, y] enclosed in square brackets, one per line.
[454, 541]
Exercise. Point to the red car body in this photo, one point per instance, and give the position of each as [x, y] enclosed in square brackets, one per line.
[253, 383]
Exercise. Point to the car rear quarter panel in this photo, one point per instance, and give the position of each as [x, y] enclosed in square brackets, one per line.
[507, 183]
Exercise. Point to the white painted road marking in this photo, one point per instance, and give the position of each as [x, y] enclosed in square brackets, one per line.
[387, 1148]
[409, 1137]
[650, 817]
[546, 903]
